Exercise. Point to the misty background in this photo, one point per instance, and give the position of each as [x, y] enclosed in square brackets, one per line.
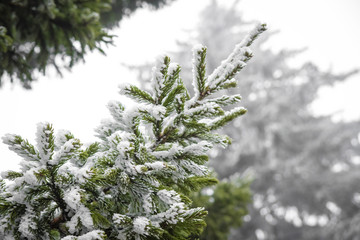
[299, 142]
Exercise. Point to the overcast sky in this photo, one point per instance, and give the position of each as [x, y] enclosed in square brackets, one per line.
[328, 28]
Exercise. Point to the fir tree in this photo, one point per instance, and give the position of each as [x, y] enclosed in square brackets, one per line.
[38, 34]
[226, 204]
[135, 183]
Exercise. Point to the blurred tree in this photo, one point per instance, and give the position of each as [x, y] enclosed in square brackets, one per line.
[306, 167]
[36, 34]
[226, 204]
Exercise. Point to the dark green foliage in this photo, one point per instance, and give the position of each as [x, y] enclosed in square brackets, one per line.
[123, 8]
[226, 205]
[37, 34]
[138, 94]
[200, 70]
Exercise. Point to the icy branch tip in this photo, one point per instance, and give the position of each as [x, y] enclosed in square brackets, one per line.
[160, 59]
[261, 27]
[123, 87]
[249, 39]
[198, 47]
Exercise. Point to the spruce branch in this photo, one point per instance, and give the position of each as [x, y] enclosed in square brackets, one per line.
[223, 100]
[21, 147]
[159, 76]
[250, 37]
[169, 83]
[228, 116]
[223, 75]
[199, 70]
[137, 94]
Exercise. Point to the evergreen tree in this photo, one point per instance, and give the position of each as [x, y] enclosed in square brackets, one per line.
[36, 34]
[226, 203]
[134, 183]
[305, 167]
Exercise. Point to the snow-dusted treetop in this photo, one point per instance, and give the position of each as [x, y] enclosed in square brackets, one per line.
[134, 183]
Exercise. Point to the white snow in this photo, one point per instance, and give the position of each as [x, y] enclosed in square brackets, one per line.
[172, 215]
[172, 67]
[18, 148]
[60, 138]
[27, 224]
[208, 107]
[122, 86]
[198, 148]
[158, 165]
[72, 197]
[4, 174]
[169, 197]
[69, 238]
[30, 178]
[120, 218]
[147, 203]
[223, 100]
[157, 111]
[64, 151]
[169, 121]
[115, 108]
[42, 140]
[157, 76]
[248, 38]
[195, 169]
[84, 215]
[174, 149]
[93, 235]
[140, 224]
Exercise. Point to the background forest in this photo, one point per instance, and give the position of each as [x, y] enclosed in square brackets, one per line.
[305, 169]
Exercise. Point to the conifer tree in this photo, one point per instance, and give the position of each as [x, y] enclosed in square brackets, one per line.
[135, 183]
[226, 203]
[38, 34]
